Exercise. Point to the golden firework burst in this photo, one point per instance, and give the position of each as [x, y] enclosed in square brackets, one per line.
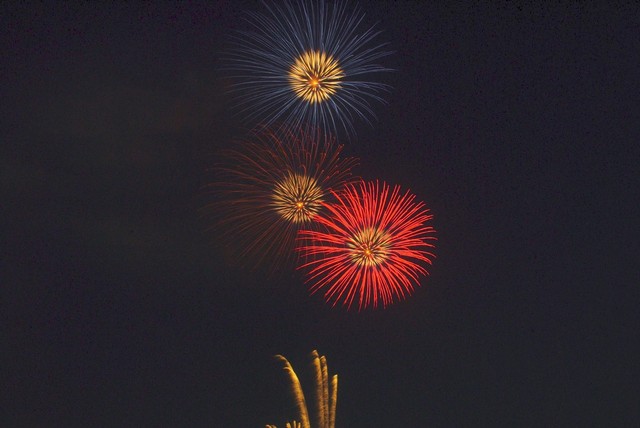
[297, 198]
[315, 76]
[369, 246]
[326, 394]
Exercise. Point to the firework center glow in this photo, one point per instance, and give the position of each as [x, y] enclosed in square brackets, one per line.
[369, 247]
[297, 198]
[315, 76]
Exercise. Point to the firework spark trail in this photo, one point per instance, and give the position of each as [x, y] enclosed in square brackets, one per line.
[326, 393]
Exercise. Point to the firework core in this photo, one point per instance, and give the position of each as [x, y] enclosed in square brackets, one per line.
[315, 76]
[297, 198]
[369, 247]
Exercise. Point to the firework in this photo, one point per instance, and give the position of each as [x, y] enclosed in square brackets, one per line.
[307, 62]
[270, 186]
[373, 245]
[326, 393]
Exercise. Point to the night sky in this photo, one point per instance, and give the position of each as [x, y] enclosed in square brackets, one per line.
[518, 126]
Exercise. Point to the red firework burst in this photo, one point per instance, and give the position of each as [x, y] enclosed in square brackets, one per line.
[373, 246]
[271, 185]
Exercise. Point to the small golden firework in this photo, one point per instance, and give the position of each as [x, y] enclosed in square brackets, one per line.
[269, 186]
[297, 197]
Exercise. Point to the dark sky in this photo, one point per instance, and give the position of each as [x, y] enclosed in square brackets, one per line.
[517, 126]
